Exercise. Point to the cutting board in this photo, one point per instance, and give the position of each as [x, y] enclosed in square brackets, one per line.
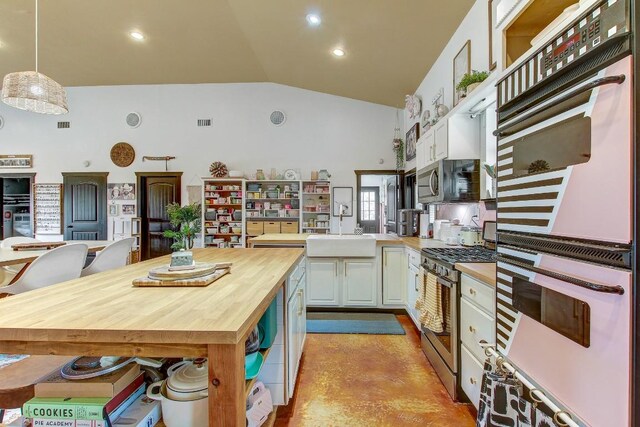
[192, 282]
[201, 269]
[36, 246]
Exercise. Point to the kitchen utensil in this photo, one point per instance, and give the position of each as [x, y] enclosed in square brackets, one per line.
[201, 269]
[184, 394]
[471, 236]
[193, 282]
[445, 228]
[437, 228]
[84, 367]
[259, 405]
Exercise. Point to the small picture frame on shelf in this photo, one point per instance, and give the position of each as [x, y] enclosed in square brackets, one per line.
[411, 140]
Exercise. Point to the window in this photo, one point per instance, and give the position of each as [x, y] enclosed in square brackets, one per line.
[368, 206]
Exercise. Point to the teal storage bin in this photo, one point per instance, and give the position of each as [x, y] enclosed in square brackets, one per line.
[268, 325]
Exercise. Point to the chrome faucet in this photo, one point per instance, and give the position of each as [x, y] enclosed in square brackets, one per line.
[342, 209]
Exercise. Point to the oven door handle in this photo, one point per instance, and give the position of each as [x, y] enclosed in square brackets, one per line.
[503, 131]
[616, 289]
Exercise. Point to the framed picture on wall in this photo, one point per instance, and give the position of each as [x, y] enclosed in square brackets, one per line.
[342, 196]
[128, 209]
[461, 66]
[114, 210]
[411, 140]
[492, 61]
[16, 160]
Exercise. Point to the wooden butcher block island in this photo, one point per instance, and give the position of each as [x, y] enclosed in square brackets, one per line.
[104, 314]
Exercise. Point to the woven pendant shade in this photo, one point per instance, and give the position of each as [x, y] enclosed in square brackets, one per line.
[32, 91]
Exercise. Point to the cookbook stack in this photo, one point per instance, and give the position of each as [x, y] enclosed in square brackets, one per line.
[114, 399]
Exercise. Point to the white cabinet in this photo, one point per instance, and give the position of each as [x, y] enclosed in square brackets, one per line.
[413, 281]
[477, 322]
[359, 282]
[323, 282]
[441, 140]
[297, 331]
[421, 161]
[393, 276]
[344, 282]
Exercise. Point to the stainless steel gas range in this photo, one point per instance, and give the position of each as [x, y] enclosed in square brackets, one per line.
[441, 344]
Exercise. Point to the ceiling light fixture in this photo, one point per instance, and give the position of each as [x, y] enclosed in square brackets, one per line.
[313, 20]
[338, 52]
[33, 91]
[136, 35]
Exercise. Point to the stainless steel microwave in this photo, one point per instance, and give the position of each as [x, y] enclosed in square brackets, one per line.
[448, 181]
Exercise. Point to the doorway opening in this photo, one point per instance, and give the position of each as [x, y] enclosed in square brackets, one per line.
[85, 205]
[17, 205]
[156, 190]
[379, 196]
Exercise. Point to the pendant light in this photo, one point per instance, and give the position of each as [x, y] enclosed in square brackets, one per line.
[33, 91]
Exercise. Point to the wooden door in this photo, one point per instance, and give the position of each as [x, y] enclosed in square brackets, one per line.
[158, 191]
[369, 211]
[85, 206]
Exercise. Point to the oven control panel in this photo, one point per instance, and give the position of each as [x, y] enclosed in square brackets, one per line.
[607, 20]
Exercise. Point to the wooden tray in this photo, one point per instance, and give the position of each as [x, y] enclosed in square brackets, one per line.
[36, 246]
[194, 282]
[201, 269]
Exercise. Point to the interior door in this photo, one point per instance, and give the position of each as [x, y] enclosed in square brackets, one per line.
[85, 206]
[370, 209]
[159, 191]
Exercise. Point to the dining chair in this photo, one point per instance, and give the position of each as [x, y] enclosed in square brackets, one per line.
[55, 266]
[10, 271]
[113, 256]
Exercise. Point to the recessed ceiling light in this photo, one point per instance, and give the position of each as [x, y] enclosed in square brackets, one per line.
[338, 52]
[313, 19]
[137, 35]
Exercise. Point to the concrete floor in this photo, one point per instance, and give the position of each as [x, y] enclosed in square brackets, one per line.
[370, 380]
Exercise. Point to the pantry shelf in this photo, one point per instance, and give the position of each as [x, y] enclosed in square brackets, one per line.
[223, 204]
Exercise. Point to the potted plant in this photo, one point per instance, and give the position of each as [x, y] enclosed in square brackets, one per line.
[471, 80]
[186, 220]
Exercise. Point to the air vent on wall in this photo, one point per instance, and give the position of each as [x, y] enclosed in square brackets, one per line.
[64, 125]
[134, 119]
[278, 118]
[204, 122]
[1, 122]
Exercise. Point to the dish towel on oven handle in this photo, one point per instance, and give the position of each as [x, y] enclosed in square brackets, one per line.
[429, 303]
[500, 402]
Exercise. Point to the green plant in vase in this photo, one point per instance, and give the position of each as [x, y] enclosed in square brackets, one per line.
[186, 221]
[471, 80]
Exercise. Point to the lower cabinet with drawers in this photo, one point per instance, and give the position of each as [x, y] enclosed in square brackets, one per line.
[477, 322]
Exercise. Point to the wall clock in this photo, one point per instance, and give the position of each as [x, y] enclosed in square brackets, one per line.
[290, 175]
[122, 154]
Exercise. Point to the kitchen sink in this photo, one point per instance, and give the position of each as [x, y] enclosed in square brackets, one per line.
[344, 246]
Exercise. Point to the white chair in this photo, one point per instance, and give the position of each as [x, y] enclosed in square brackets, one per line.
[55, 266]
[10, 271]
[113, 256]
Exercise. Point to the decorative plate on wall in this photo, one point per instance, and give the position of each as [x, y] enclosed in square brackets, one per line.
[122, 154]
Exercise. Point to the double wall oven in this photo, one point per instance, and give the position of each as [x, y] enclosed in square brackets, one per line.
[564, 279]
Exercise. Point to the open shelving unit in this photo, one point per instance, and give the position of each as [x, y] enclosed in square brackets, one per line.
[222, 213]
[272, 206]
[316, 207]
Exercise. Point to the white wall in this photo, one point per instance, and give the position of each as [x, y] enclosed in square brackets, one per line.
[474, 27]
[321, 131]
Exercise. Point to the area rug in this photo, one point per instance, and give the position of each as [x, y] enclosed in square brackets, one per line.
[353, 323]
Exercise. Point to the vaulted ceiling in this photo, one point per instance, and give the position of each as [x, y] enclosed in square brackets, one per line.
[390, 44]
